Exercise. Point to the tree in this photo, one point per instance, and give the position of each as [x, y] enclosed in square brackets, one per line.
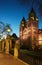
[14, 38]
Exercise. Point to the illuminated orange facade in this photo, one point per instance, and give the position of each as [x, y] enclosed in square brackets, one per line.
[29, 29]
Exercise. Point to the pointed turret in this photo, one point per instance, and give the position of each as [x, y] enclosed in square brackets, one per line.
[32, 14]
[23, 22]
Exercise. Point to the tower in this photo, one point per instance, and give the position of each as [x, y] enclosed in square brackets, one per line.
[22, 26]
[29, 30]
[33, 27]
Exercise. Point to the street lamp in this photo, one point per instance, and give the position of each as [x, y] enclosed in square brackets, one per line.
[8, 30]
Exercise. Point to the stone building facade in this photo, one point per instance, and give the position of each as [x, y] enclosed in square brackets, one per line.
[29, 30]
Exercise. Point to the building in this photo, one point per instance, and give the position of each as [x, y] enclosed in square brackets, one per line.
[29, 30]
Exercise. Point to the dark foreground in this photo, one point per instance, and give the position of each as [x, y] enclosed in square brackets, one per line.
[30, 59]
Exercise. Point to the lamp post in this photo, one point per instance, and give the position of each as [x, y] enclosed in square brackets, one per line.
[8, 41]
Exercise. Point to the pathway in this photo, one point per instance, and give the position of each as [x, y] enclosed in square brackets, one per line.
[7, 59]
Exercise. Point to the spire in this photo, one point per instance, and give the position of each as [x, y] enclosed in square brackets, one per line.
[23, 23]
[23, 19]
[32, 10]
[32, 14]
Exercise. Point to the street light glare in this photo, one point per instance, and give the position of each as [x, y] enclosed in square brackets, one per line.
[8, 30]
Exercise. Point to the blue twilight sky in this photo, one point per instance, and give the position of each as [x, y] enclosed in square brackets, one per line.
[12, 11]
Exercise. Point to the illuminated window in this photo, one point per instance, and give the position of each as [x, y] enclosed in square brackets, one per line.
[32, 18]
[22, 24]
[40, 40]
[36, 19]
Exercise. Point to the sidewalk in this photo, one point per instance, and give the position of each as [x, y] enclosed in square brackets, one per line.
[10, 60]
